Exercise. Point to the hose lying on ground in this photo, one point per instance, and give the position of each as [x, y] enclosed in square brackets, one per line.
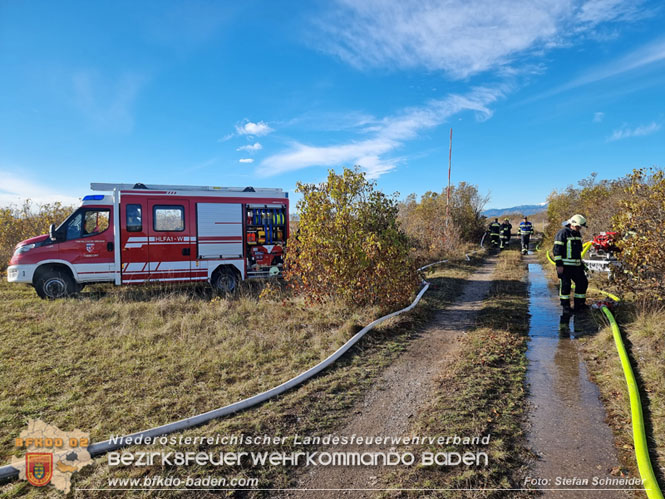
[639, 434]
[96, 449]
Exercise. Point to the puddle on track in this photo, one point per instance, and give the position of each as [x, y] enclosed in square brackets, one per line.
[568, 430]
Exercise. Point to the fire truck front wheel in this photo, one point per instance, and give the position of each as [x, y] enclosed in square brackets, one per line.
[53, 284]
[224, 280]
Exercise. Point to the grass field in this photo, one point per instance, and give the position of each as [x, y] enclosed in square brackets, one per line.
[114, 361]
[131, 359]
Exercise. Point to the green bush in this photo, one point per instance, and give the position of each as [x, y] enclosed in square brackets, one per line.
[348, 245]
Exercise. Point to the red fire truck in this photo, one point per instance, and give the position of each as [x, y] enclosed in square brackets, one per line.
[158, 233]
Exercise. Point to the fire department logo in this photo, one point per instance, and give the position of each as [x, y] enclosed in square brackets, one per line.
[68, 454]
[39, 468]
[89, 247]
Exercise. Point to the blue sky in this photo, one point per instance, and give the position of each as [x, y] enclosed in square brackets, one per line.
[268, 93]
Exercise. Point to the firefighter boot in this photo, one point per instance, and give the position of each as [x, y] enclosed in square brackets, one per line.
[564, 325]
[580, 305]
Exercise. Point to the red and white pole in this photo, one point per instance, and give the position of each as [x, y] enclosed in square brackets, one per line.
[450, 157]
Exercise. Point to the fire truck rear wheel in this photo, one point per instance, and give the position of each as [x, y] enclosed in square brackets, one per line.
[224, 281]
[54, 284]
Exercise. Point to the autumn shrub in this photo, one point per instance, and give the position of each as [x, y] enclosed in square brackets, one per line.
[641, 220]
[425, 226]
[431, 235]
[28, 220]
[633, 206]
[348, 245]
[598, 201]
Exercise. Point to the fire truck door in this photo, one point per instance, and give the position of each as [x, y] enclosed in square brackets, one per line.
[171, 239]
[134, 242]
[88, 243]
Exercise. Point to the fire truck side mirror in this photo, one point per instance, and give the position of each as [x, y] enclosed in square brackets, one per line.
[53, 235]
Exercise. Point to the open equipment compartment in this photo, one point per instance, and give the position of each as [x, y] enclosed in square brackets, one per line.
[266, 232]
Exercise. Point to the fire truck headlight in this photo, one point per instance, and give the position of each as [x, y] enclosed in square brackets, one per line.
[24, 249]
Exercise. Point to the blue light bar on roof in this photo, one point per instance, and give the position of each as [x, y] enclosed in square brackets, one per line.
[94, 197]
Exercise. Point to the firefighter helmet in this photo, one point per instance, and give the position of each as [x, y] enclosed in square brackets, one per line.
[577, 220]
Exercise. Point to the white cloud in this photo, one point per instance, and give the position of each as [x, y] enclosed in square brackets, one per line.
[626, 132]
[594, 12]
[249, 128]
[226, 137]
[245, 160]
[250, 147]
[332, 121]
[642, 57]
[15, 189]
[459, 37]
[374, 166]
[386, 136]
[598, 117]
[106, 101]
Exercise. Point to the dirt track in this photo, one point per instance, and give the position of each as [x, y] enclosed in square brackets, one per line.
[405, 386]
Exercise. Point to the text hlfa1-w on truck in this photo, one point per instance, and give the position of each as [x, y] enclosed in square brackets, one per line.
[158, 233]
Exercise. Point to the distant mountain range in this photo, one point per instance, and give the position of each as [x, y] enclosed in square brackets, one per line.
[524, 209]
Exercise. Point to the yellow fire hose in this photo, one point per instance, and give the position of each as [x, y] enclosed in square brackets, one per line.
[549, 257]
[585, 248]
[639, 435]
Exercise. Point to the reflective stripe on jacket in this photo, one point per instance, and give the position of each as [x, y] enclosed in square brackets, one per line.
[526, 228]
[567, 247]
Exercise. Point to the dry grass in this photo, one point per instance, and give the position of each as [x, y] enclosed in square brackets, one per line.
[643, 335]
[159, 355]
[119, 360]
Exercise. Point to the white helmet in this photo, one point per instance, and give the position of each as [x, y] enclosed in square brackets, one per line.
[577, 220]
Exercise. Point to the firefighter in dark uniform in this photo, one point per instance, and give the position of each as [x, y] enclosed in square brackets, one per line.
[567, 253]
[494, 229]
[526, 229]
[504, 232]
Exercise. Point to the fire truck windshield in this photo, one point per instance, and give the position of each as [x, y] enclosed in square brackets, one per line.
[84, 222]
